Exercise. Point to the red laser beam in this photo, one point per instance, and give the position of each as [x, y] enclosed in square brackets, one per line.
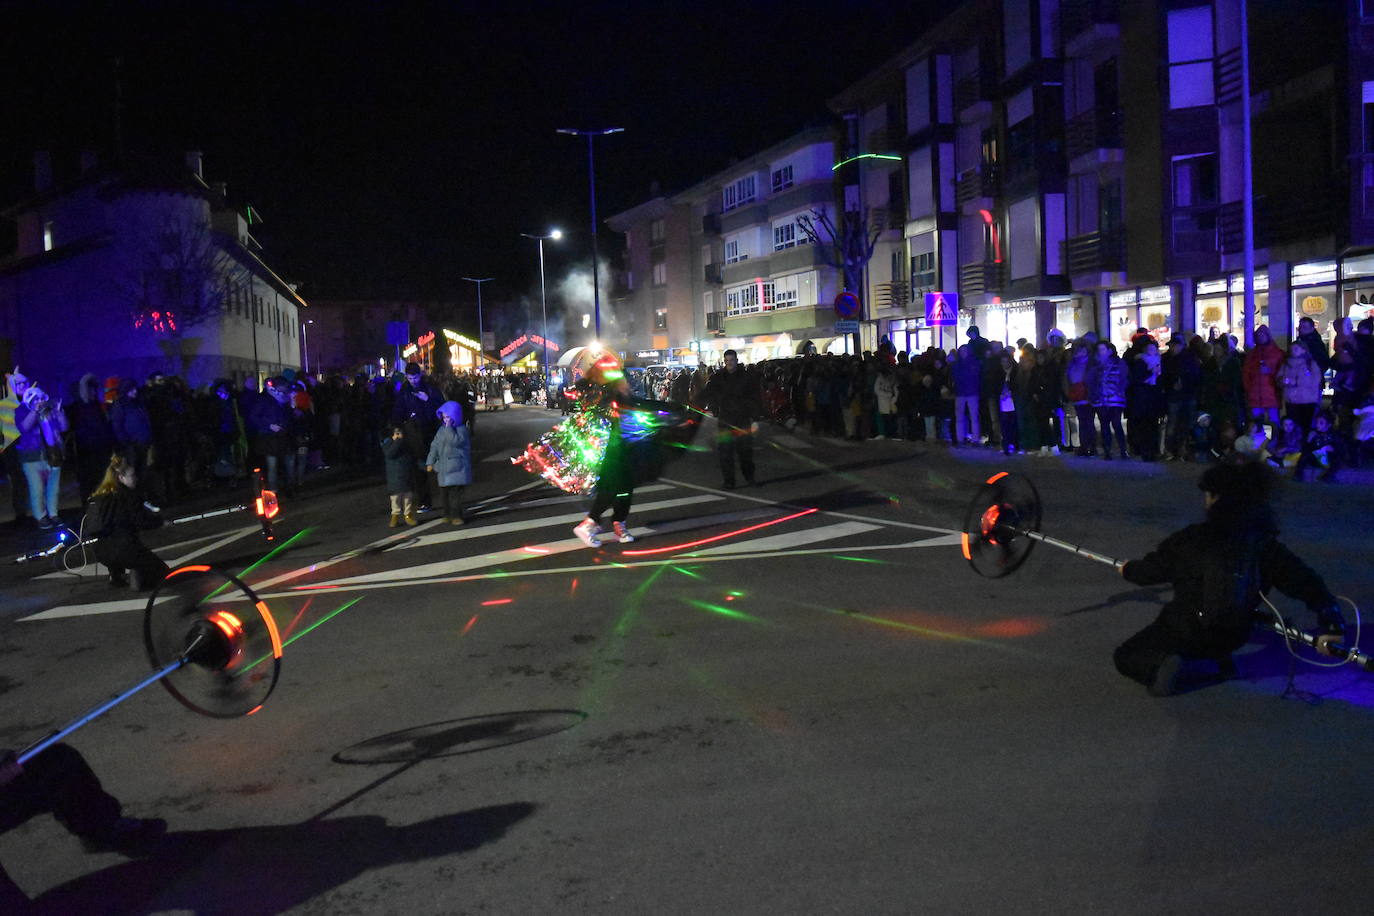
[496, 601]
[470, 623]
[718, 537]
[299, 615]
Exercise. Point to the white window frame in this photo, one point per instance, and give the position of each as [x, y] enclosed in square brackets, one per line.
[782, 178]
[738, 193]
[660, 275]
[734, 250]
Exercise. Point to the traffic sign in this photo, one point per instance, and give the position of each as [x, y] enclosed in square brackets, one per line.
[398, 333]
[846, 327]
[942, 310]
[847, 305]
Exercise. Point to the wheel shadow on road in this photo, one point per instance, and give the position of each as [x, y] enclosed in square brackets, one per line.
[1130, 596]
[271, 869]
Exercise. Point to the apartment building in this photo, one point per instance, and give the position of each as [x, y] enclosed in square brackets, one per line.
[725, 264]
[138, 266]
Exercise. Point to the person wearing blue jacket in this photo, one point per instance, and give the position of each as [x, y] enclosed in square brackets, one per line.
[450, 460]
[1107, 392]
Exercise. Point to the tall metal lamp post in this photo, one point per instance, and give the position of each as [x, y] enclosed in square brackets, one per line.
[591, 174]
[543, 296]
[305, 343]
[481, 340]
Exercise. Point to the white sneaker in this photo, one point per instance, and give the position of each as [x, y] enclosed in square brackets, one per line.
[1045, 451]
[623, 533]
[1054, 450]
[587, 533]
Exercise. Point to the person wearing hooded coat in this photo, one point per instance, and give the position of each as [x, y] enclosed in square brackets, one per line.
[1260, 375]
[450, 460]
[1219, 568]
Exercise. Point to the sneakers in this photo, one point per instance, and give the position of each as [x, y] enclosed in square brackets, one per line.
[129, 836]
[623, 533]
[587, 532]
[46, 524]
[395, 520]
[1166, 678]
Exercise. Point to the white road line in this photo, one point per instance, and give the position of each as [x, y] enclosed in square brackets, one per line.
[297, 573]
[782, 505]
[478, 531]
[92, 568]
[561, 500]
[789, 440]
[788, 539]
[81, 610]
[627, 563]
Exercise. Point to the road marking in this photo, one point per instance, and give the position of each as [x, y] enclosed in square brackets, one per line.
[789, 440]
[795, 507]
[788, 539]
[91, 567]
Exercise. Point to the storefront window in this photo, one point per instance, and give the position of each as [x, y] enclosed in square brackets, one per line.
[1072, 318]
[1020, 323]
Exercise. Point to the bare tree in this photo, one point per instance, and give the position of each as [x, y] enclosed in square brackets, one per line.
[848, 247]
[174, 273]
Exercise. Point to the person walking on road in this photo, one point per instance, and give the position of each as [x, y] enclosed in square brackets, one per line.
[732, 395]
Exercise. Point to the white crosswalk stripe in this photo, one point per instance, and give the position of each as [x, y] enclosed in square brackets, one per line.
[788, 539]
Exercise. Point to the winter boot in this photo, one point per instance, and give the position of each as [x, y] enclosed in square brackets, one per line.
[395, 520]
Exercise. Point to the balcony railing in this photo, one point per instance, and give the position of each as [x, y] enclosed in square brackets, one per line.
[1292, 218]
[1077, 16]
[1364, 173]
[891, 295]
[1095, 253]
[1226, 76]
[710, 223]
[983, 277]
[711, 273]
[982, 181]
[890, 217]
[969, 90]
[715, 321]
[1093, 129]
[1195, 230]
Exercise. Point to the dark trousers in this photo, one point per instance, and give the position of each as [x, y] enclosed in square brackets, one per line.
[731, 442]
[1145, 436]
[1087, 431]
[617, 499]
[19, 487]
[91, 464]
[1110, 420]
[1139, 657]
[1179, 424]
[452, 501]
[1007, 418]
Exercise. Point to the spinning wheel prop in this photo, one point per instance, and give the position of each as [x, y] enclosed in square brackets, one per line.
[211, 642]
[1002, 526]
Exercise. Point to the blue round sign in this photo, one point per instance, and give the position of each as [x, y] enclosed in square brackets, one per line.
[847, 305]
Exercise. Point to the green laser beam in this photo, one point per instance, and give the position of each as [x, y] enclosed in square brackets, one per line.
[330, 616]
[724, 611]
[270, 554]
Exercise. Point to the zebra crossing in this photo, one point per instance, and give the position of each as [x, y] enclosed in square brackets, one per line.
[672, 520]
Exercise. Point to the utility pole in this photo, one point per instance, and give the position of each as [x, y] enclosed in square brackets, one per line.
[481, 341]
[591, 174]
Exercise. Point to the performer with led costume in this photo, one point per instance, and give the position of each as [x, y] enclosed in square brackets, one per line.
[612, 442]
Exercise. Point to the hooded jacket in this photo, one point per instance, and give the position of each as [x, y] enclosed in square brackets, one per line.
[450, 451]
[1260, 371]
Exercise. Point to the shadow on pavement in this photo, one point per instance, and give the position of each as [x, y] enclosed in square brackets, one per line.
[1144, 595]
[271, 869]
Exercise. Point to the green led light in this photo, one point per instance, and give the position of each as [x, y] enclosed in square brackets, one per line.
[844, 162]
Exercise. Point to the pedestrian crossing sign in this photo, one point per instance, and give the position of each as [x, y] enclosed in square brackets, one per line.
[942, 310]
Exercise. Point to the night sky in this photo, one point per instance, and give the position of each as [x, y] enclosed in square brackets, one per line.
[393, 148]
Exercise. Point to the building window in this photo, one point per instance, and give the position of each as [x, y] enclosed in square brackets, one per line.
[660, 319]
[660, 273]
[923, 270]
[656, 231]
[1190, 57]
[785, 236]
[47, 236]
[734, 252]
[1195, 180]
[1367, 109]
[782, 178]
[738, 194]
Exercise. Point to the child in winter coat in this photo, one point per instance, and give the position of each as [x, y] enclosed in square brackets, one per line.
[1287, 447]
[450, 460]
[1320, 451]
[400, 477]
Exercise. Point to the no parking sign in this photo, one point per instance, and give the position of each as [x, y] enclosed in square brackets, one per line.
[847, 305]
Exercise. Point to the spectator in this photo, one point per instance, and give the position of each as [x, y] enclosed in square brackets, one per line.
[885, 398]
[1107, 392]
[400, 477]
[1260, 373]
[9, 433]
[93, 440]
[1006, 405]
[450, 460]
[1312, 341]
[273, 431]
[1075, 387]
[1288, 443]
[1320, 451]
[1026, 398]
[733, 397]
[1301, 381]
[1145, 400]
[1181, 373]
[1222, 386]
[39, 448]
[133, 430]
[414, 410]
[967, 374]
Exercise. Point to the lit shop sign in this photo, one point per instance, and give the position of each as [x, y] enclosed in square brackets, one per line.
[1211, 287]
[410, 350]
[1362, 266]
[648, 354]
[1314, 273]
[523, 339]
[455, 337]
[425, 339]
[1150, 295]
[1156, 295]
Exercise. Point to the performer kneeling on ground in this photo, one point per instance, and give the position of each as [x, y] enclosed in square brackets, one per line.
[60, 782]
[116, 516]
[615, 481]
[1219, 569]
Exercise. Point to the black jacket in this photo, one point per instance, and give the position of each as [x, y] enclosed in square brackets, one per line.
[1206, 564]
[734, 397]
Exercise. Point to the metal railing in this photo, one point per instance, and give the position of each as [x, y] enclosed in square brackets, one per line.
[983, 277]
[982, 181]
[1094, 253]
[1093, 129]
[711, 273]
[1077, 16]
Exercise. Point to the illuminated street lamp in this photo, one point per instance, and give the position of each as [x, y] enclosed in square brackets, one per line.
[543, 297]
[591, 175]
[305, 343]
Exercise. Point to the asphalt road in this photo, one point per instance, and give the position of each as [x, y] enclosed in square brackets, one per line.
[765, 712]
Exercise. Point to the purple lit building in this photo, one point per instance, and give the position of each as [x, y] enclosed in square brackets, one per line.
[123, 270]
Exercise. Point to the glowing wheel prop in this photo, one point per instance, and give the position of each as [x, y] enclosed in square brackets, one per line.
[996, 539]
[218, 655]
[225, 633]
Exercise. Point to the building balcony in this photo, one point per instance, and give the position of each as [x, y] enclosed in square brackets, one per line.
[1226, 77]
[1094, 253]
[982, 277]
[977, 184]
[711, 273]
[710, 223]
[715, 321]
[973, 92]
[1278, 221]
[1362, 172]
[894, 295]
[1084, 23]
[1095, 133]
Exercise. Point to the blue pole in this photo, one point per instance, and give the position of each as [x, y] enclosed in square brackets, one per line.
[43, 744]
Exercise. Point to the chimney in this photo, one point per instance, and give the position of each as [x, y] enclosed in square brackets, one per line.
[193, 162]
[42, 170]
[89, 160]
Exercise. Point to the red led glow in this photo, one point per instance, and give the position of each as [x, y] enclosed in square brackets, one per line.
[470, 624]
[271, 628]
[996, 477]
[496, 601]
[186, 569]
[719, 537]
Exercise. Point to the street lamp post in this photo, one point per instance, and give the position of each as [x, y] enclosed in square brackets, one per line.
[591, 175]
[305, 343]
[481, 341]
[543, 296]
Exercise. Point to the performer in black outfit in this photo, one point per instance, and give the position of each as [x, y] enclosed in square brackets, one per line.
[116, 516]
[615, 481]
[733, 396]
[1219, 569]
[60, 782]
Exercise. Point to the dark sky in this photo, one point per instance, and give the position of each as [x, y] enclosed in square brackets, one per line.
[393, 148]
